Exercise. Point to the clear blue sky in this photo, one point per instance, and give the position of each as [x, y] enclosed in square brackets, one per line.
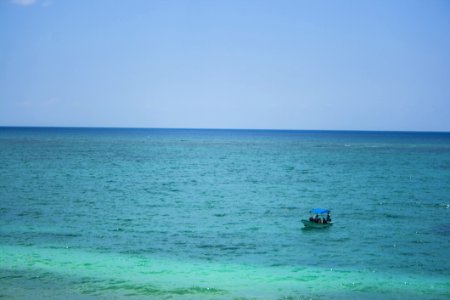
[358, 65]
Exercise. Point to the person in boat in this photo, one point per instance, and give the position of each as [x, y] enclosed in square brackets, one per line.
[316, 219]
[324, 221]
[311, 219]
[328, 218]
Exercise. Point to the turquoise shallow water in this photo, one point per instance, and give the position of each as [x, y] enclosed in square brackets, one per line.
[215, 214]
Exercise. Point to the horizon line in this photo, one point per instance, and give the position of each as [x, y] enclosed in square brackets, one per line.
[212, 128]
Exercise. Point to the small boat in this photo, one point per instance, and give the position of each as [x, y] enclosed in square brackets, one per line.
[317, 221]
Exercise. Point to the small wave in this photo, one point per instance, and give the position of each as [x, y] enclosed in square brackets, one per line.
[48, 236]
[290, 207]
[394, 216]
[29, 213]
[198, 290]
[131, 289]
[443, 229]
[429, 205]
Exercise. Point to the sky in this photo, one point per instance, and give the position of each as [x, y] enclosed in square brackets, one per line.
[253, 64]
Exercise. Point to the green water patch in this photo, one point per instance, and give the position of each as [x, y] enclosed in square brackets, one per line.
[110, 274]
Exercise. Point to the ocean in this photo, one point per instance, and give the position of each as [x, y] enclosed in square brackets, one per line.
[91, 213]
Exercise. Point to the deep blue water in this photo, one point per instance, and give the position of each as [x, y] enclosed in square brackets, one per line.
[186, 213]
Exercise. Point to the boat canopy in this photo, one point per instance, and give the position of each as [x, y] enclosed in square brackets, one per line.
[319, 211]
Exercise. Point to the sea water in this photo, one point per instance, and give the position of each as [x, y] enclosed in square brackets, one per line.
[216, 214]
